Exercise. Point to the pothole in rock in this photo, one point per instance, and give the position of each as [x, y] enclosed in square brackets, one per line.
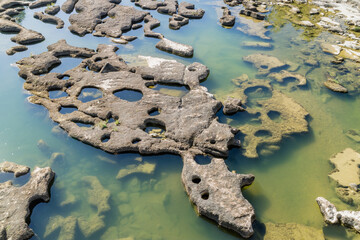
[64, 77]
[171, 90]
[155, 128]
[57, 94]
[89, 94]
[240, 119]
[67, 63]
[67, 109]
[202, 159]
[275, 116]
[84, 125]
[129, 95]
[257, 93]
[154, 111]
[105, 138]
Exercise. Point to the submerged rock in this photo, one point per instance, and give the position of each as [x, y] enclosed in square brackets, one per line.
[284, 75]
[350, 219]
[179, 49]
[263, 45]
[146, 168]
[98, 196]
[353, 134]
[67, 227]
[346, 169]
[334, 86]
[264, 63]
[252, 28]
[331, 48]
[17, 169]
[227, 19]
[294, 231]
[16, 202]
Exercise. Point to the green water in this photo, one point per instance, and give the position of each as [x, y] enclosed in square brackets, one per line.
[156, 206]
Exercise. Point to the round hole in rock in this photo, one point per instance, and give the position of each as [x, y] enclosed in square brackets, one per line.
[263, 133]
[264, 66]
[275, 116]
[212, 141]
[154, 112]
[67, 109]
[205, 195]
[155, 128]
[105, 138]
[135, 140]
[202, 159]
[88, 94]
[84, 125]
[196, 179]
[129, 95]
[57, 94]
[257, 93]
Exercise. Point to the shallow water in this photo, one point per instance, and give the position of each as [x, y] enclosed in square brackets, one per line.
[156, 206]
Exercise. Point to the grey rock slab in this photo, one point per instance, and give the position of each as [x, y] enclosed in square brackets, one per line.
[26, 36]
[49, 19]
[334, 86]
[11, 167]
[68, 6]
[89, 14]
[52, 10]
[121, 18]
[232, 106]
[188, 10]
[179, 49]
[15, 49]
[15, 202]
[350, 219]
[41, 3]
[150, 24]
[216, 193]
[149, 4]
[177, 21]
[170, 7]
[227, 19]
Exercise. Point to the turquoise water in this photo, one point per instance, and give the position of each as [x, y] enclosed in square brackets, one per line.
[156, 206]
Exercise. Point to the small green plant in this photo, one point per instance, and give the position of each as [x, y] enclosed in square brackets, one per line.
[117, 122]
[356, 29]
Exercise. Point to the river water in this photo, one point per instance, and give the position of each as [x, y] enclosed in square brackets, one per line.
[156, 206]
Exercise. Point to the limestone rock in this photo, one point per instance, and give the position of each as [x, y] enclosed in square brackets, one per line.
[232, 106]
[146, 168]
[306, 24]
[89, 15]
[216, 192]
[52, 10]
[170, 7]
[67, 227]
[68, 5]
[188, 10]
[353, 134]
[41, 3]
[179, 49]
[18, 170]
[350, 219]
[294, 231]
[49, 19]
[15, 49]
[264, 63]
[346, 167]
[24, 36]
[14, 214]
[177, 21]
[121, 18]
[150, 24]
[284, 75]
[227, 19]
[149, 4]
[331, 48]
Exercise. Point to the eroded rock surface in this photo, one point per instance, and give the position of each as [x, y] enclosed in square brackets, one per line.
[145, 168]
[264, 63]
[49, 19]
[227, 19]
[216, 192]
[252, 28]
[52, 10]
[350, 219]
[284, 75]
[14, 214]
[188, 10]
[17, 169]
[184, 124]
[179, 49]
[24, 36]
[15, 49]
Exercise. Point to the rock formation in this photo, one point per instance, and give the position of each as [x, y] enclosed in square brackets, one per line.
[16, 202]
